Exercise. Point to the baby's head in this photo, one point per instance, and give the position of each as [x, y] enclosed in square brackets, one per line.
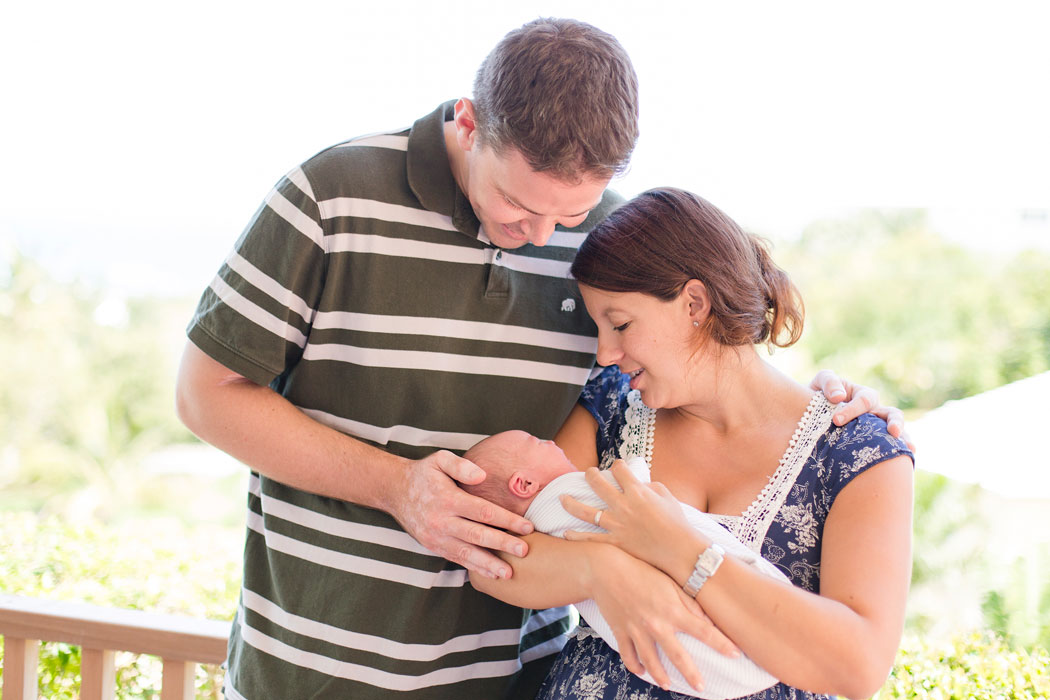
[517, 465]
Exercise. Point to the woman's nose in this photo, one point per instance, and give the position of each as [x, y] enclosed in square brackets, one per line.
[608, 353]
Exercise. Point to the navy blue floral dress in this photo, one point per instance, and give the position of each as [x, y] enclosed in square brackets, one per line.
[784, 524]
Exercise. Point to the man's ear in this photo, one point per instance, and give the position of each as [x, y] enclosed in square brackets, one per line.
[522, 486]
[466, 126]
[694, 293]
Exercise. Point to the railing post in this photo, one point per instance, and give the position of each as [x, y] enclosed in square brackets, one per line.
[178, 680]
[98, 677]
[21, 657]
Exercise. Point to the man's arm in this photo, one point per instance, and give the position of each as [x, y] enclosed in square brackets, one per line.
[268, 433]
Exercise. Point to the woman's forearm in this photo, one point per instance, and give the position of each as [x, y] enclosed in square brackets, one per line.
[806, 640]
[843, 640]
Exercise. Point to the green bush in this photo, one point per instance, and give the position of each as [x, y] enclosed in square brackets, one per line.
[977, 666]
[158, 566]
[196, 572]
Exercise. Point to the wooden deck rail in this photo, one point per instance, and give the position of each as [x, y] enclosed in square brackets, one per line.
[180, 642]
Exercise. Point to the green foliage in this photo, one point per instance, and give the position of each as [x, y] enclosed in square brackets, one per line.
[156, 566]
[948, 535]
[978, 666]
[1019, 611]
[90, 388]
[891, 303]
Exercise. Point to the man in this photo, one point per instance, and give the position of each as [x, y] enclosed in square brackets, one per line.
[410, 290]
[397, 298]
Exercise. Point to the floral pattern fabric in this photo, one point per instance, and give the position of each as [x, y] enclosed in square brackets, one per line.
[588, 669]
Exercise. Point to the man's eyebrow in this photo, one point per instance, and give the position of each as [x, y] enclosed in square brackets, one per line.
[536, 213]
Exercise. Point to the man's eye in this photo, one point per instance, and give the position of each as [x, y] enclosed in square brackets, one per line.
[621, 327]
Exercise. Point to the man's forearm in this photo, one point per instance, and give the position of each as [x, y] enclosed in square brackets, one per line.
[265, 431]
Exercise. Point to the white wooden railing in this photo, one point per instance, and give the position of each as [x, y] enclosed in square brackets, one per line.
[180, 642]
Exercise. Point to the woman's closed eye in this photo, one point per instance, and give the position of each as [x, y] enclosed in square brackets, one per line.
[622, 327]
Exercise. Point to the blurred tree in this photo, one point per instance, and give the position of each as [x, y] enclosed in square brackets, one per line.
[89, 384]
[891, 303]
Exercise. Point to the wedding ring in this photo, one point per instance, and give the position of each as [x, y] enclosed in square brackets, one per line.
[598, 518]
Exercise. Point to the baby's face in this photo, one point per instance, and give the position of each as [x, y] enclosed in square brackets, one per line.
[541, 458]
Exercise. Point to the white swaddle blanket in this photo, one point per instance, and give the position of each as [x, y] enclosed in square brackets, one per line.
[723, 677]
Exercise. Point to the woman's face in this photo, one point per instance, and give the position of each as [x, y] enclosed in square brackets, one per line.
[650, 339]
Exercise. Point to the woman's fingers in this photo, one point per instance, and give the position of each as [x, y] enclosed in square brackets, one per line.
[681, 659]
[651, 661]
[630, 656]
[586, 513]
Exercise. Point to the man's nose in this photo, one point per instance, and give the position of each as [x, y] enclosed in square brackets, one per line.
[538, 230]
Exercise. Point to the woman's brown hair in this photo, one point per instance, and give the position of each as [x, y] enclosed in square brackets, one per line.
[661, 239]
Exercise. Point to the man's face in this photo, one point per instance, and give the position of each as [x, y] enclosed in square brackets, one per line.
[517, 205]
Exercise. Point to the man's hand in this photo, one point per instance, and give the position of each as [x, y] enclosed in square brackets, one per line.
[857, 399]
[452, 523]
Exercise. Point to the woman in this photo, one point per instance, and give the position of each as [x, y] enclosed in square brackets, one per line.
[681, 297]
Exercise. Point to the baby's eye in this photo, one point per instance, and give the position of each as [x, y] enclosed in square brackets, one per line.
[511, 203]
[621, 327]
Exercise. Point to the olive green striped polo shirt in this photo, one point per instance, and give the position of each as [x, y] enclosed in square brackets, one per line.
[365, 293]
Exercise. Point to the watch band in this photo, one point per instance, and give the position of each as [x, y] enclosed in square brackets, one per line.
[706, 566]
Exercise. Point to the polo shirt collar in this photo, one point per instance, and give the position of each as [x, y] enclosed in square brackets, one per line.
[430, 175]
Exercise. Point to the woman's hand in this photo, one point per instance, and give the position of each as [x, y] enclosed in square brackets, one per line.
[644, 608]
[645, 521]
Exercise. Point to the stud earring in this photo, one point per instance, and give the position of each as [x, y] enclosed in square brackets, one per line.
[696, 324]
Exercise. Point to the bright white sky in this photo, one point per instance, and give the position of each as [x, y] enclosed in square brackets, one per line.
[138, 138]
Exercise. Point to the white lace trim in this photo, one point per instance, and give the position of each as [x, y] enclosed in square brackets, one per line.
[583, 632]
[636, 437]
[636, 440]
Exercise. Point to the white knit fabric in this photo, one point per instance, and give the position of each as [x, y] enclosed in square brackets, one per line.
[723, 677]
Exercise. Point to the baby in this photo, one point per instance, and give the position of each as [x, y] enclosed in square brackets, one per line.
[528, 476]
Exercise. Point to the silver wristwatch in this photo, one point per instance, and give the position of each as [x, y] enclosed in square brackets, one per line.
[706, 566]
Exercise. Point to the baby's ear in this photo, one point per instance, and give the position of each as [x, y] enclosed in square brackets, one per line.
[522, 486]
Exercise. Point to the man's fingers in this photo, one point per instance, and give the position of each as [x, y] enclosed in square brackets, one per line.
[475, 534]
[481, 511]
[863, 401]
[474, 559]
[829, 383]
[894, 418]
[462, 470]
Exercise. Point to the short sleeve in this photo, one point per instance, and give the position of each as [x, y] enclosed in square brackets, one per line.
[605, 398]
[854, 448]
[256, 314]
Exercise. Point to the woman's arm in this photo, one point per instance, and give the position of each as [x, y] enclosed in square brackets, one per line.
[642, 605]
[576, 438]
[842, 641]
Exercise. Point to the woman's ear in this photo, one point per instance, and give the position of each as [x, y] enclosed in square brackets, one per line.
[694, 293]
[522, 486]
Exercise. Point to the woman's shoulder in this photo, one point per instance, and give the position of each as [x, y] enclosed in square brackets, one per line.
[865, 437]
[857, 446]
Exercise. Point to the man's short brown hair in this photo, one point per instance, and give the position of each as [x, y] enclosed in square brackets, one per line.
[564, 94]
